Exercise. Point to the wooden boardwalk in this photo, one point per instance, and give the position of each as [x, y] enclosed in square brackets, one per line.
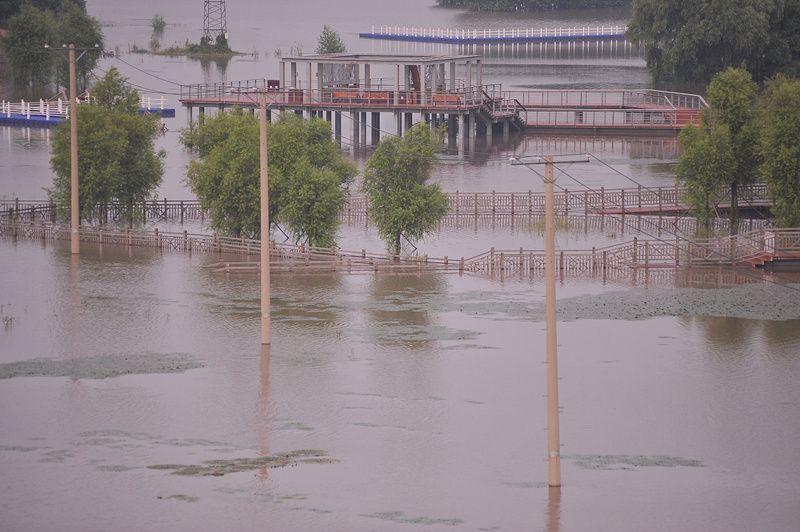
[630, 110]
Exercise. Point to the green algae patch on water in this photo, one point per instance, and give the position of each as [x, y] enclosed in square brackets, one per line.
[101, 367]
[218, 468]
[629, 463]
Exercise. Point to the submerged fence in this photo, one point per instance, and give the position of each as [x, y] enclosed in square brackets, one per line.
[753, 248]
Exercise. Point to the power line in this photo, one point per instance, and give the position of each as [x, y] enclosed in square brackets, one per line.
[676, 235]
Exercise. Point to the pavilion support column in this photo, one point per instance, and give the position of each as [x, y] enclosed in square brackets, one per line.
[468, 79]
[363, 137]
[376, 128]
[452, 75]
[479, 72]
[337, 128]
[398, 118]
[328, 115]
[506, 129]
[367, 82]
[282, 74]
[354, 116]
[189, 116]
[397, 85]
[409, 121]
[423, 96]
[293, 73]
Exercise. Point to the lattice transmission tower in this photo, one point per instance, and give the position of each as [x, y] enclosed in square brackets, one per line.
[214, 20]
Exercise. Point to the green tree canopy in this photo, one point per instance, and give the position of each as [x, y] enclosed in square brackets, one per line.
[307, 175]
[330, 42]
[722, 153]
[689, 41]
[401, 201]
[117, 160]
[780, 148]
[51, 23]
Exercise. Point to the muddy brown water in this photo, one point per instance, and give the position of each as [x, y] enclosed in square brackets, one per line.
[136, 395]
[386, 402]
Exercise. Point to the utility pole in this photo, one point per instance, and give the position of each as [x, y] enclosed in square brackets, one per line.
[75, 241]
[553, 434]
[553, 431]
[75, 213]
[264, 193]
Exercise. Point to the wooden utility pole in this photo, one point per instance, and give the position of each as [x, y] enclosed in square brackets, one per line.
[75, 241]
[264, 192]
[553, 435]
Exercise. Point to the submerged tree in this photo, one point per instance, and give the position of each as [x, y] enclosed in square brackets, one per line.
[307, 175]
[401, 201]
[780, 148]
[722, 154]
[330, 42]
[117, 159]
[51, 23]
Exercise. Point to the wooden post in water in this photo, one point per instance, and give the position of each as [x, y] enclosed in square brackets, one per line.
[264, 193]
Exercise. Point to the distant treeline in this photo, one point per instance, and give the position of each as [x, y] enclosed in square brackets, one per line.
[530, 5]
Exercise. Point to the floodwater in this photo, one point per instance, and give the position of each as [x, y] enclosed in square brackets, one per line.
[136, 395]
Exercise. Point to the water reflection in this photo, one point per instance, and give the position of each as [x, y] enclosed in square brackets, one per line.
[263, 412]
[553, 509]
[399, 310]
[309, 301]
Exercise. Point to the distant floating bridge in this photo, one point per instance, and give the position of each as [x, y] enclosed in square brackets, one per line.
[498, 36]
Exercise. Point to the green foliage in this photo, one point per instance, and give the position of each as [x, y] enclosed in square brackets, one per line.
[401, 202]
[113, 93]
[706, 167]
[530, 5]
[76, 27]
[330, 42]
[33, 28]
[780, 148]
[690, 41]
[307, 175]
[722, 153]
[29, 31]
[117, 160]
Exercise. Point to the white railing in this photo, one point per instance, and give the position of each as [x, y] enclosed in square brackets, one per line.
[452, 34]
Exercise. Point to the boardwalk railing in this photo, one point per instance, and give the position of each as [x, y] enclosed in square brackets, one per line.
[458, 36]
[377, 95]
[752, 248]
[639, 200]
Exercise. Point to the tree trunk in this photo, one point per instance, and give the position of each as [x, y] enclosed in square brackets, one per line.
[734, 209]
[397, 246]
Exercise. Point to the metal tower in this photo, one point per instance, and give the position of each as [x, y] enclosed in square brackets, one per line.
[214, 20]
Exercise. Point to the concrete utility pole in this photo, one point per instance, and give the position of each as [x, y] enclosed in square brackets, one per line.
[553, 434]
[553, 431]
[264, 183]
[75, 241]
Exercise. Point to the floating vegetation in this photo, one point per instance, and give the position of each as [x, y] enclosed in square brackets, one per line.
[400, 517]
[102, 367]
[629, 463]
[218, 468]
[180, 497]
